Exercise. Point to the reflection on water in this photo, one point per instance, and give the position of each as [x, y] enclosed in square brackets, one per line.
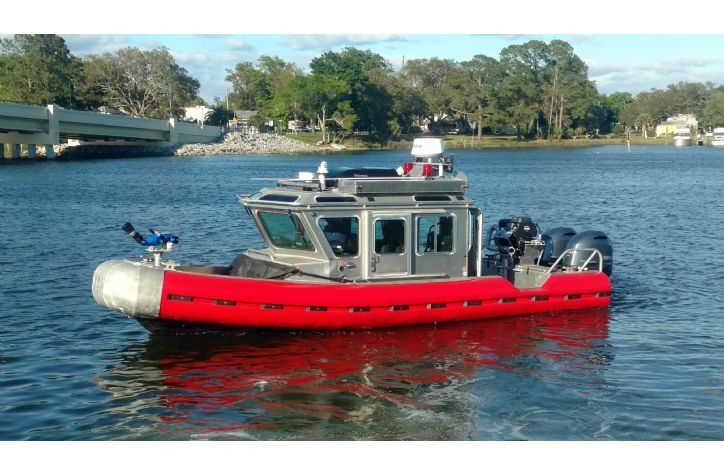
[422, 383]
[70, 369]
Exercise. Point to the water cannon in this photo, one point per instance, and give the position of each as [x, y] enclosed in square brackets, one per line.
[157, 243]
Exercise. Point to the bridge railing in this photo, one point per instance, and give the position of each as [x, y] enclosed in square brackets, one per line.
[37, 125]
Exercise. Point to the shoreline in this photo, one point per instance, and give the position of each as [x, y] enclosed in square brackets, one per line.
[234, 143]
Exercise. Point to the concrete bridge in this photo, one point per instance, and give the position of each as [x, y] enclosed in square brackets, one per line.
[51, 125]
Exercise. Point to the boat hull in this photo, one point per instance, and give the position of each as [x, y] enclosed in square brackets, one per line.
[196, 300]
[254, 303]
[682, 141]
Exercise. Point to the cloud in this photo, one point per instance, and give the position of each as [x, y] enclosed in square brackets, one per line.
[235, 44]
[637, 77]
[514, 38]
[85, 44]
[315, 42]
[210, 69]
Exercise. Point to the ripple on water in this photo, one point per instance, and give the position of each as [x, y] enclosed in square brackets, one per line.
[650, 368]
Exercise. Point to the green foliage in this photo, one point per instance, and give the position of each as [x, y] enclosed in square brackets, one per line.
[370, 100]
[249, 90]
[657, 105]
[219, 116]
[146, 83]
[37, 69]
[541, 89]
[712, 114]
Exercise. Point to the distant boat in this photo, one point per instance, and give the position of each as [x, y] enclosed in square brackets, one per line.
[718, 137]
[682, 136]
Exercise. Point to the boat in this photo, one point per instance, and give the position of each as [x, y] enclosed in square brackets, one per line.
[717, 139]
[364, 248]
[682, 136]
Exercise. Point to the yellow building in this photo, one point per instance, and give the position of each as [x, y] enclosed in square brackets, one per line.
[668, 127]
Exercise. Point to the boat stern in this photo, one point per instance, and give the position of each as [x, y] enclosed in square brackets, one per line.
[130, 287]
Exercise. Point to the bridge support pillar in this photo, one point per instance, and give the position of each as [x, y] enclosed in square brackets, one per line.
[31, 151]
[15, 151]
[172, 132]
[49, 151]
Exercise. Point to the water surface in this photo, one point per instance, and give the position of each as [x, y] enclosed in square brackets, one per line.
[649, 368]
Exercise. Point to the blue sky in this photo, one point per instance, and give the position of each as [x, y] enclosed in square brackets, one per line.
[628, 46]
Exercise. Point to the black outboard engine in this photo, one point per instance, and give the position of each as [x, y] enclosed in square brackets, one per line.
[556, 241]
[511, 237]
[519, 230]
[582, 243]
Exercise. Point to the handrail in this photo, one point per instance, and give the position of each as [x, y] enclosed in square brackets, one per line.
[593, 251]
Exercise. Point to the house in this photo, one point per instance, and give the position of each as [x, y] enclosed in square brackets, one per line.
[668, 127]
[241, 121]
[197, 114]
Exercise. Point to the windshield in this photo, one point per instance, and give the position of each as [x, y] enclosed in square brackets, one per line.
[285, 231]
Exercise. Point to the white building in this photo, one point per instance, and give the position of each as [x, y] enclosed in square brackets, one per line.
[197, 113]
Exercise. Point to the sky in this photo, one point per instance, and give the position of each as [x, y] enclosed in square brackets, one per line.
[627, 47]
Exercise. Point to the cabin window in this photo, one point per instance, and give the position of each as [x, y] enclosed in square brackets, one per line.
[333, 199]
[390, 236]
[342, 233]
[285, 230]
[435, 234]
[278, 197]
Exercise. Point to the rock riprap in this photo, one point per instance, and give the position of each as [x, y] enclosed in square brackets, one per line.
[235, 143]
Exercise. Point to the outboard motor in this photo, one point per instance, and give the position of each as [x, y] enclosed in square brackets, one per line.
[582, 243]
[511, 237]
[556, 241]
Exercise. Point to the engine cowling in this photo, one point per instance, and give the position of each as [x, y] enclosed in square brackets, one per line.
[581, 243]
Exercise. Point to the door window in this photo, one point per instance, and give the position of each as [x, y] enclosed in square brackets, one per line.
[435, 234]
[390, 236]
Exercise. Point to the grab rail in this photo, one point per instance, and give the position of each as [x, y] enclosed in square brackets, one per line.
[593, 251]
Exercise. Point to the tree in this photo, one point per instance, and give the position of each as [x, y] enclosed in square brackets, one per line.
[314, 97]
[432, 79]
[518, 90]
[688, 98]
[475, 89]
[573, 97]
[249, 90]
[220, 115]
[276, 72]
[37, 69]
[142, 83]
[406, 104]
[370, 102]
[615, 103]
[321, 94]
[529, 62]
[712, 114]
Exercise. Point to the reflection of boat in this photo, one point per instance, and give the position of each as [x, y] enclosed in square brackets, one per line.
[718, 137]
[682, 136]
[420, 382]
[367, 248]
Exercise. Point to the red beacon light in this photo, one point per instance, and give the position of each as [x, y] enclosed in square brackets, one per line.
[427, 169]
[407, 168]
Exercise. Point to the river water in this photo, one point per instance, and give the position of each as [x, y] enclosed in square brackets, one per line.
[649, 368]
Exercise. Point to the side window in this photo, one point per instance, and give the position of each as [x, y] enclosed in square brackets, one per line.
[390, 236]
[342, 233]
[286, 231]
[435, 234]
